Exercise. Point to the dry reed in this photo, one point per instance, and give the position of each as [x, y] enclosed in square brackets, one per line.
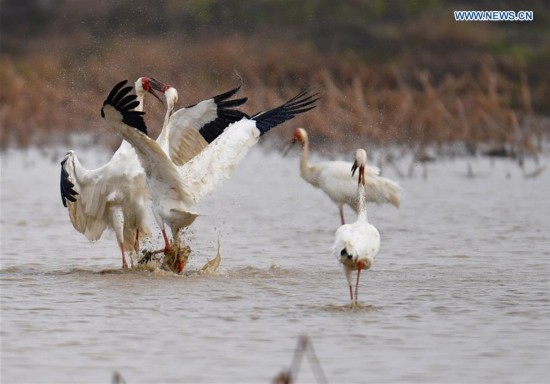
[45, 97]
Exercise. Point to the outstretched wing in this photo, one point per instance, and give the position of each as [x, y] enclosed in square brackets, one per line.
[205, 172]
[194, 127]
[84, 194]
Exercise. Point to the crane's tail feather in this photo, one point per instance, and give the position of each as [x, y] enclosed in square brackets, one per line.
[119, 99]
[300, 103]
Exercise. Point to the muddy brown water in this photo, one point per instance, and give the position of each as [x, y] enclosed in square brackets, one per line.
[459, 291]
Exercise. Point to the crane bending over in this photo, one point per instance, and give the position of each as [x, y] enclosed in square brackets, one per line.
[174, 189]
[333, 178]
[357, 244]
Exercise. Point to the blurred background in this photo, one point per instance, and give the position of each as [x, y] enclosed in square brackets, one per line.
[403, 74]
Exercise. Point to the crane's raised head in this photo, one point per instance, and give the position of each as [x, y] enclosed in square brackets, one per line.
[360, 162]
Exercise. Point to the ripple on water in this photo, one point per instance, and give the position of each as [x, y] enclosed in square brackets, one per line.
[458, 289]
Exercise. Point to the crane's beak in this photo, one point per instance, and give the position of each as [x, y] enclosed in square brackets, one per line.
[289, 146]
[157, 86]
[354, 167]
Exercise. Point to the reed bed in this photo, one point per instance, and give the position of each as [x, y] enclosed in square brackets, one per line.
[46, 97]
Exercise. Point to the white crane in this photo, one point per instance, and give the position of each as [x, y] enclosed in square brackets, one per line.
[357, 244]
[174, 189]
[333, 178]
[112, 196]
[186, 132]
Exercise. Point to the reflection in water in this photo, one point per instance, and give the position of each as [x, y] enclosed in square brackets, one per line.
[460, 288]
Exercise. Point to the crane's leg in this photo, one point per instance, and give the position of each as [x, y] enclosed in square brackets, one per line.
[124, 264]
[166, 243]
[341, 209]
[179, 260]
[179, 265]
[160, 223]
[351, 293]
[357, 285]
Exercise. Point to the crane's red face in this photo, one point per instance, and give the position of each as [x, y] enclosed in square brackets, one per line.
[153, 86]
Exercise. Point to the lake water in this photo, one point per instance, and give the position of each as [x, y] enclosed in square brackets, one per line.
[459, 291]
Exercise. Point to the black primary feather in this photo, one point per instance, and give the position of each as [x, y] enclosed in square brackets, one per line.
[226, 114]
[67, 191]
[300, 103]
[119, 99]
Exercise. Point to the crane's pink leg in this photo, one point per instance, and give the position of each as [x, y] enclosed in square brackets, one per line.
[351, 293]
[124, 265]
[166, 243]
[341, 209]
[357, 284]
[179, 266]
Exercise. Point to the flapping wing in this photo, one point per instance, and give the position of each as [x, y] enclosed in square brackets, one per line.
[206, 172]
[84, 194]
[193, 128]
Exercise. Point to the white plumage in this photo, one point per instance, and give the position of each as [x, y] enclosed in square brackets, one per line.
[335, 180]
[170, 197]
[113, 196]
[357, 244]
[214, 137]
[218, 161]
[174, 189]
[189, 130]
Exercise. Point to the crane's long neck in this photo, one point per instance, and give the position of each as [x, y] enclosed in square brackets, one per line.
[362, 197]
[139, 97]
[171, 98]
[305, 168]
[165, 132]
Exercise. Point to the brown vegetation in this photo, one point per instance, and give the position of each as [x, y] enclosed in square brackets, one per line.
[55, 86]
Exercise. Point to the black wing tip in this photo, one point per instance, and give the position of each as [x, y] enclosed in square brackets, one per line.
[215, 128]
[228, 94]
[119, 99]
[67, 191]
[302, 102]
[231, 103]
